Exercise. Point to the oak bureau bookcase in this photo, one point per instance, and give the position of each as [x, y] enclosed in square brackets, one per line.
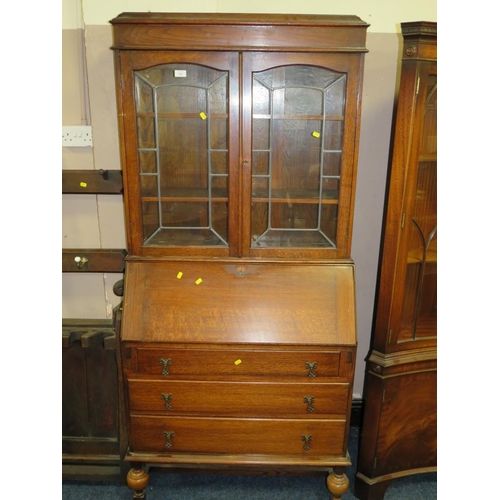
[239, 141]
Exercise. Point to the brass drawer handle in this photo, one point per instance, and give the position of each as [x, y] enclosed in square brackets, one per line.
[310, 403]
[311, 367]
[167, 398]
[307, 440]
[165, 363]
[168, 435]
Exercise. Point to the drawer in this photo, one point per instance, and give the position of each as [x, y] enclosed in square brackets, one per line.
[207, 364]
[237, 436]
[238, 399]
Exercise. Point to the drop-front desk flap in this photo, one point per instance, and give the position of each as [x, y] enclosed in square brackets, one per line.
[222, 302]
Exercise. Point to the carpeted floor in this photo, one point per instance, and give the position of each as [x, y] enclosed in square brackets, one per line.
[184, 486]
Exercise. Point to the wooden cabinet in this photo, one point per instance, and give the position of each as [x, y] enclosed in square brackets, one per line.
[239, 139]
[92, 425]
[399, 428]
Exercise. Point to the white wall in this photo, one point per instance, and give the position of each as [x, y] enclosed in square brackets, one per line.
[384, 16]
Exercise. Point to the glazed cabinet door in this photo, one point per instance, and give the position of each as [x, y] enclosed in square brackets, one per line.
[414, 307]
[182, 128]
[179, 122]
[299, 134]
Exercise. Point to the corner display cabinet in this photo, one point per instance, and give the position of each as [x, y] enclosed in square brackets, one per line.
[239, 139]
[398, 435]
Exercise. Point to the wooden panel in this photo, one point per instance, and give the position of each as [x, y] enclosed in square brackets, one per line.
[420, 40]
[82, 324]
[88, 336]
[253, 436]
[249, 303]
[74, 392]
[97, 260]
[90, 449]
[91, 437]
[212, 31]
[92, 182]
[407, 433]
[239, 364]
[102, 392]
[89, 380]
[150, 18]
[238, 399]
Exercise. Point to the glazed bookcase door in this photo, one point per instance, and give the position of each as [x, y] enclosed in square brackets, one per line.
[179, 150]
[415, 308]
[298, 153]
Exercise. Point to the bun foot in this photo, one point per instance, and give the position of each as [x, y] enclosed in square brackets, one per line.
[337, 484]
[137, 479]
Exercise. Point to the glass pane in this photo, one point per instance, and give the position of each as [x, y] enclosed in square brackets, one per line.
[260, 163]
[219, 162]
[147, 162]
[419, 302]
[219, 208]
[333, 135]
[331, 163]
[150, 219]
[329, 215]
[260, 135]
[297, 147]
[185, 214]
[335, 99]
[261, 99]
[182, 120]
[146, 132]
[183, 162]
[330, 189]
[150, 215]
[299, 101]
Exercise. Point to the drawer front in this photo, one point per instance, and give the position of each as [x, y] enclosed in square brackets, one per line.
[237, 436]
[206, 364]
[238, 399]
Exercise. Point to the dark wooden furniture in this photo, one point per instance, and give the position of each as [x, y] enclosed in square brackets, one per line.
[239, 138]
[90, 401]
[93, 424]
[398, 435]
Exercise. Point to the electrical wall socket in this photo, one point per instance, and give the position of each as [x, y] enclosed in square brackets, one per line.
[77, 136]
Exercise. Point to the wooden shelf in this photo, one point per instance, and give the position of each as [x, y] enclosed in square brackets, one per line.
[261, 116]
[429, 157]
[97, 260]
[92, 182]
[188, 195]
[163, 116]
[295, 196]
[257, 116]
[426, 328]
[414, 256]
